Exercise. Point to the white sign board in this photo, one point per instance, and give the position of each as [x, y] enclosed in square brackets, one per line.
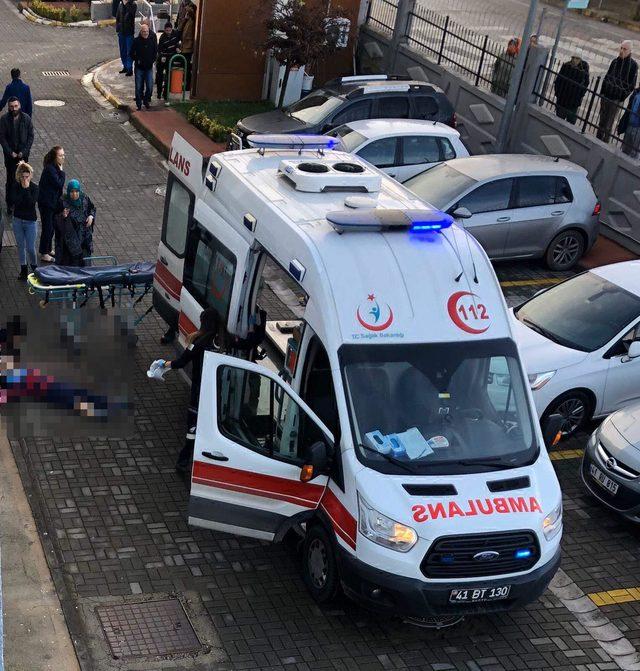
[577, 4]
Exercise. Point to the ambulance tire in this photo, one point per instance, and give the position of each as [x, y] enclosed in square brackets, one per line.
[319, 565]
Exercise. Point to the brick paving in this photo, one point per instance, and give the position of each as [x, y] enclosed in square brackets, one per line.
[112, 512]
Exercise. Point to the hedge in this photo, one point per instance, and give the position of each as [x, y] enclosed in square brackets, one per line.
[55, 13]
[211, 127]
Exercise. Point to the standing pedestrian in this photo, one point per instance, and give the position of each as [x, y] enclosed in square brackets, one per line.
[18, 89]
[570, 87]
[618, 83]
[188, 37]
[182, 12]
[49, 199]
[74, 227]
[16, 138]
[209, 337]
[629, 126]
[167, 47]
[144, 53]
[503, 67]
[126, 28]
[24, 194]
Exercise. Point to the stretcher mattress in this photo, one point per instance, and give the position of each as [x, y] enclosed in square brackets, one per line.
[126, 274]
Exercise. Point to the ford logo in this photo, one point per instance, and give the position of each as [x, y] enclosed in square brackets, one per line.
[487, 555]
[610, 463]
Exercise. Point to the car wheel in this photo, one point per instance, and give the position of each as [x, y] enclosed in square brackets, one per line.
[565, 250]
[319, 566]
[575, 409]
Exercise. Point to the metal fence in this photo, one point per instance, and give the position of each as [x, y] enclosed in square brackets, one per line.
[381, 15]
[461, 49]
[585, 107]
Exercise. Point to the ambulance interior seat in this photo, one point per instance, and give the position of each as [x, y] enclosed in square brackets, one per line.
[419, 399]
[372, 383]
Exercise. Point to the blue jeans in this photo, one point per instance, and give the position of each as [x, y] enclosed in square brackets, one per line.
[144, 86]
[125, 42]
[26, 233]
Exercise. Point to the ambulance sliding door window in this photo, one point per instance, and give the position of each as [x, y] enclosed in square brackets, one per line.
[209, 271]
[178, 212]
[256, 412]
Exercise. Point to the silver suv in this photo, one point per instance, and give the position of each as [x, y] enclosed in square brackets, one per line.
[519, 205]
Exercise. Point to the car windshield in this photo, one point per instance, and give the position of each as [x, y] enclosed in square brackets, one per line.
[349, 138]
[440, 186]
[315, 107]
[584, 313]
[438, 408]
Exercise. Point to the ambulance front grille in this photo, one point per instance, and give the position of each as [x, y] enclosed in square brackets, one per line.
[480, 555]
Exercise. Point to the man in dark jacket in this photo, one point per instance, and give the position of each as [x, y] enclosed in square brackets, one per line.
[126, 28]
[570, 87]
[167, 47]
[144, 52]
[18, 89]
[16, 138]
[618, 83]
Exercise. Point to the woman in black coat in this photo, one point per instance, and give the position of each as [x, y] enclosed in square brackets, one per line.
[51, 188]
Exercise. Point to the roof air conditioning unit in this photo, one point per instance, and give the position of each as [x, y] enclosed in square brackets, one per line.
[320, 177]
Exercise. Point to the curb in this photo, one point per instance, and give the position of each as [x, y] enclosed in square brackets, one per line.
[107, 95]
[30, 15]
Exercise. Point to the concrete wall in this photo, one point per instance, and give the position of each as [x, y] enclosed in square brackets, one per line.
[615, 177]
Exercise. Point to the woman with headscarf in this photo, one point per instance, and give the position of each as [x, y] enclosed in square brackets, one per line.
[74, 227]
[503, 67]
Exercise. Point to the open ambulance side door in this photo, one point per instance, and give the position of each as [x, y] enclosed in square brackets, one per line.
[253, 437]
[216, 271]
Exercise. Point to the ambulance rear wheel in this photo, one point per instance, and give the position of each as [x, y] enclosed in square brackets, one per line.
[319, 566]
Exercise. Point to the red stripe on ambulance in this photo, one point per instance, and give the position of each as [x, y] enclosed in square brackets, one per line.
[473, 507]
[343, 523]
[299, 493]
[185, 325]
[168, 281]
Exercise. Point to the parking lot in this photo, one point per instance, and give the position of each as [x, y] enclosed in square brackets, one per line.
[113, 515]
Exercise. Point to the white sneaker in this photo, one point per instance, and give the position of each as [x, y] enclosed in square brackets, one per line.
[47, 258]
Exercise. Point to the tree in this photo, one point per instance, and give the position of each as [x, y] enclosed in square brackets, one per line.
[301, 33]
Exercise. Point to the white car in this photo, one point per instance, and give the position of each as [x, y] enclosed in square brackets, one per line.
[580, 344]
[402, 148]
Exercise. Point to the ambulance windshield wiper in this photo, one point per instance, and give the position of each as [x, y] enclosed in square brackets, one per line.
[389, 458]
[498, 464]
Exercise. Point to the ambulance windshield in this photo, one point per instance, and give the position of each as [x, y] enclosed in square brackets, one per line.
[439, 408]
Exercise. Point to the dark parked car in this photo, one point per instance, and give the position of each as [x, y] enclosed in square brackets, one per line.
[350, 99]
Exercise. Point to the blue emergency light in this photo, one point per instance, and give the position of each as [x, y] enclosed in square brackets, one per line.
[378, 219]
[284, 141]
[525, 553]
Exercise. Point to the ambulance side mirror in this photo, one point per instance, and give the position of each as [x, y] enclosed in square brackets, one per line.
[552, 430]
[316, 461]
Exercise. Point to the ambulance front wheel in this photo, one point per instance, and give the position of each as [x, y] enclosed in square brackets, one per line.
[319, 566]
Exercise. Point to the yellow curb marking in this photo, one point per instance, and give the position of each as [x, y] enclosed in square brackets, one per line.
[615, 596]
[530, 283]
[561, 455]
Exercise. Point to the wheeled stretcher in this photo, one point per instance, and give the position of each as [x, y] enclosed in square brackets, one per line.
[109, 283]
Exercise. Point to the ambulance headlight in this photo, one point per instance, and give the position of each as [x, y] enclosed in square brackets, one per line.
[538, 380]
[383, 530]
[552, 523]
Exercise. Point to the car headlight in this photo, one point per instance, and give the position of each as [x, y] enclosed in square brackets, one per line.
[538, 380]
[552, 523]
[383, 530]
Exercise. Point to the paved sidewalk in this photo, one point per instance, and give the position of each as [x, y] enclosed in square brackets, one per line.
[157, 124]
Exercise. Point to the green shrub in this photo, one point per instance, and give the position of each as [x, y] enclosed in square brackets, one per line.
[212, 127]
[74, 14]
[48, 12]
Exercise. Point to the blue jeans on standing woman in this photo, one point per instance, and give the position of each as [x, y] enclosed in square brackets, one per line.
[144, 86]
[26, 233]
[125, 42]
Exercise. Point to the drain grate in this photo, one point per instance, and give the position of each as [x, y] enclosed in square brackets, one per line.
[55, 73]
[149, 629]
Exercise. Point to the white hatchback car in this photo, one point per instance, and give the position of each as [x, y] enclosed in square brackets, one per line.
[400, 147]
[580, 344]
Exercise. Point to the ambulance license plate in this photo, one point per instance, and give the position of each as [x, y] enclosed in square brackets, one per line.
[603, 480]
[479, 594]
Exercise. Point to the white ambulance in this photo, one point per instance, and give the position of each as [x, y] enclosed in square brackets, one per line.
[391, 424]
